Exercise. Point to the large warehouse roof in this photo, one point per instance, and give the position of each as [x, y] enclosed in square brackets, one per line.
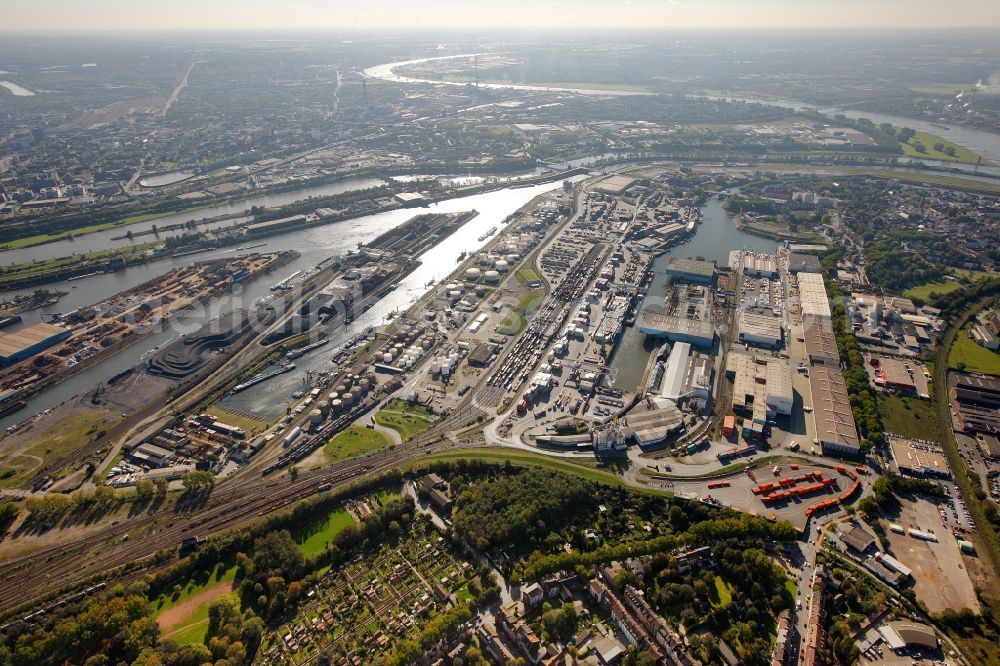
[756, 327]
[654, 323]
[698, 267]
[614, 184]
[901, 633]
[821, 343]
[20, 342]
[803, 263]
[832, 408]
[812, 295]
[685, 373]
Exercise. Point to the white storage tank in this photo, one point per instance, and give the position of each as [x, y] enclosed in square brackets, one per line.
[333, 396]
[387, 357]
[336, 406]
[484, 259]
[473, 273]
[492, 277]
[503, 266]
[363, 386]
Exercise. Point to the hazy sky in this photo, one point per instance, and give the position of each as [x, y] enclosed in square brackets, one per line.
[104, 15]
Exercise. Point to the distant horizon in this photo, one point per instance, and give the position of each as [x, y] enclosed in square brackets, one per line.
[608, 34]
[200, 16]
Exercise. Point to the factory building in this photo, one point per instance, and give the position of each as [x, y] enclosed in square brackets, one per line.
[893, 373]
[906, 633]
[836, 431]
[760, 329]
[803, 263]
[687, 375]
[614, 185]
[272, 226]
[820, 341]
[920, 460]
[652, 422]
[760, 265]
[812, 295]
[978, 401]
[691, 270]
[25, 343]
[761, 386]
[678, 329]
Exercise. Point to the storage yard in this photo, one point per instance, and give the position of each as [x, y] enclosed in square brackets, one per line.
[46, 353]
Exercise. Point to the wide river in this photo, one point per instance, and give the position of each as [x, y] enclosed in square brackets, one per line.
[314, 245]
[983, 142]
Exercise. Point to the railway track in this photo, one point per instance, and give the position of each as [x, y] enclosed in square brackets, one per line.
[236, 502]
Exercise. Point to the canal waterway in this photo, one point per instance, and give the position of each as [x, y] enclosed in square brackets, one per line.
[714, 239]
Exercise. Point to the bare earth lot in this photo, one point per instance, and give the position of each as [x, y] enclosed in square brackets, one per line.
[942, 579]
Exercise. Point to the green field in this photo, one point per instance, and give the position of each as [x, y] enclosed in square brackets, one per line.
[515, 322]
[538, 460]
[355, 441]
[967, 355]
[407, 424]
[191, 628]
[59, 439]
[910, 417]
[924, 290]
[527, 276]
[905, 176]
[195, 626]
[961, 154]
[724, 593]
[314, 536]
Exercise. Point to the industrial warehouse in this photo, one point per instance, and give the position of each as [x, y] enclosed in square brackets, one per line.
[29, 341]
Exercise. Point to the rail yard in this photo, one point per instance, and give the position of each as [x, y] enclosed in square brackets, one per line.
[733, 396]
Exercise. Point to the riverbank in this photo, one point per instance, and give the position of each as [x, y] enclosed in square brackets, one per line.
[110, 218]
[34, 274]
[774, 232]
[104, 352]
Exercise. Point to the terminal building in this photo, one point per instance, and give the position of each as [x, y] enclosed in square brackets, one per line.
[761, 330]
[678, 329]
[691, 270]
[25, 343]
[836, 431]
[687, 376]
